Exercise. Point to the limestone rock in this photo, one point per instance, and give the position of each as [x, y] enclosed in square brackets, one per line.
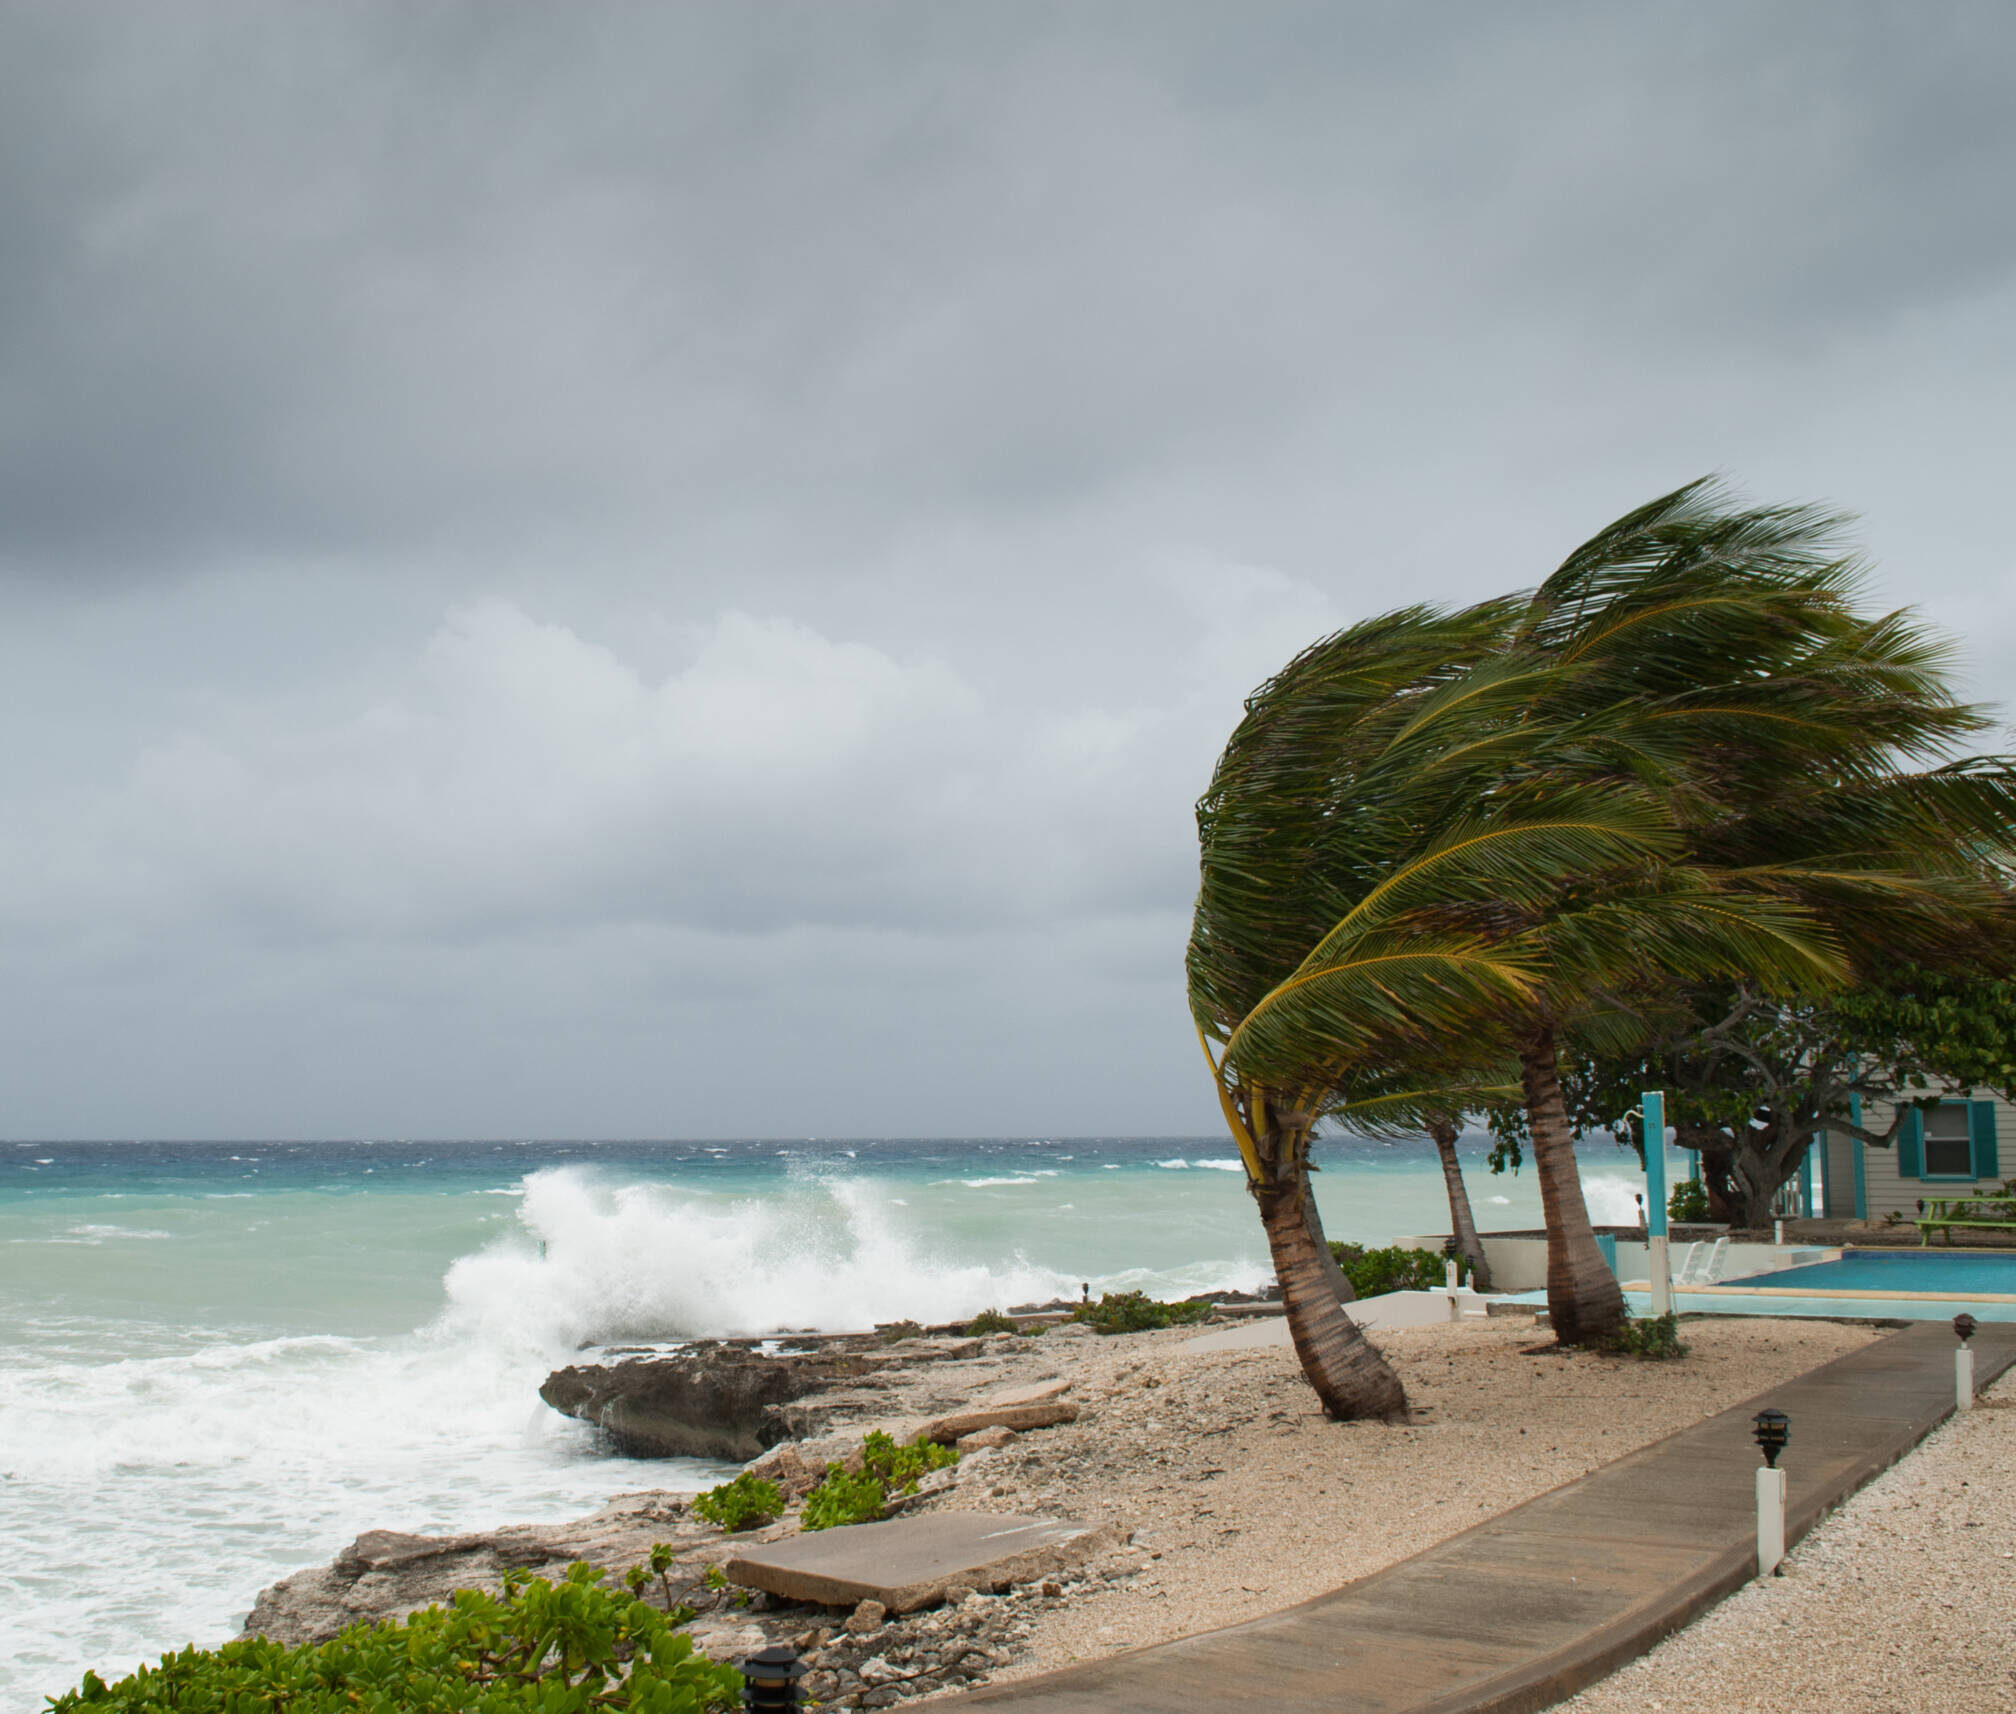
[867, 1616]
[984, 1440]
[711, 1401]
[947, 1430]
[385, 1574]
[782, 1465]
[1035, 1393]
[720, 1399]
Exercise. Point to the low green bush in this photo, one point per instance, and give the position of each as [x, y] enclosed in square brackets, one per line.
[1136, 1312]
[844, 1499]
[1373, 1272]
[1655, 1338]
[1688, 1201]
[991, 1321]
[741, 1504]
[898, 1331]
[900, 1466]
[571, 1647]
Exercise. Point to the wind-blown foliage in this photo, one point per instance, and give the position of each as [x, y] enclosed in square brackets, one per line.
[1440, 844]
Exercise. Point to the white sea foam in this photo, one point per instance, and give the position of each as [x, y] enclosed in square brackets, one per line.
[1611, 1201]
[614, 1262]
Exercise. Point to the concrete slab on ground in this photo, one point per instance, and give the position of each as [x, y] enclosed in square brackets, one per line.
[910, 1562]
[1527, 1608]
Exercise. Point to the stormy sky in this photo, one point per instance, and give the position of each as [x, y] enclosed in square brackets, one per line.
[676, 571]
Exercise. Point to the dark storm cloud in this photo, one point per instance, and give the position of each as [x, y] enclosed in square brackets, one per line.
[564, 564]
[283, 283]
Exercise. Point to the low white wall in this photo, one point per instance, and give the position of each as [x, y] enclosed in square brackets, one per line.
[1520, 1264]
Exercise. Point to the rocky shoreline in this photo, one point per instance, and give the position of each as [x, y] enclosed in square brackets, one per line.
[1213, 1488]
[797, 1407]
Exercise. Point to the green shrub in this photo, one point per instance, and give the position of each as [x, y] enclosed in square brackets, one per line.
[900, 1466]
[741, 1504]
[1653, 1338]
[991, 1321]
[1689, 1201]
[898, 1331]
[1374, 1272]
[844, 1499]
[540, 1648]
[1136, 1312]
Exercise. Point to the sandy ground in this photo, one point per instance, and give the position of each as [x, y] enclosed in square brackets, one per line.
[1245, 1499]
[1904, 1599]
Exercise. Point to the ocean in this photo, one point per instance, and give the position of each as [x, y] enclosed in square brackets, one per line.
[220, 1362]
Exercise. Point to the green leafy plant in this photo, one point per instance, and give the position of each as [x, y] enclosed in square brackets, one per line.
[660, 1567]
[1689, 1201]
[991, 1321]
[897, 1331]
[900, 1466]
[741, 1504]
[1655, 1338]
[1136, 1312]
[539, 1648]
[844, 1499]
[715, 1578]
[1373, 1272]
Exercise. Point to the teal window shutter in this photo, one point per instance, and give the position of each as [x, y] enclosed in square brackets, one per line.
[1911, 1145]
[1981, 1122]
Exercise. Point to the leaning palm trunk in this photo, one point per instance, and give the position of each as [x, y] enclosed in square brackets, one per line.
[1351, 1378]
[1339, 1282]
[1584, 1301]
[1462, 1224]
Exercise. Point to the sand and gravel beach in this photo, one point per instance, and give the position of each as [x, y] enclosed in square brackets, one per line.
[1244, 1499]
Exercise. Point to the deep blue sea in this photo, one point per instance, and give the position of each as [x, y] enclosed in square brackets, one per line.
[219, 1362]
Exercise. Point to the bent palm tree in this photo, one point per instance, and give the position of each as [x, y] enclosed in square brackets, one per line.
[1437, 842]
[1443, 1130]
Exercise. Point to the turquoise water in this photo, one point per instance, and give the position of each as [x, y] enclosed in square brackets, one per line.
[218, 1363]
[1909, 1271]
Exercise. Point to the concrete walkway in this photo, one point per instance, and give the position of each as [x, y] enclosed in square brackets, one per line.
[1514, 1615]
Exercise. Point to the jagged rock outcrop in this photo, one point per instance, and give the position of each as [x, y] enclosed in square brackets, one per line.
[384, 1574]
[721, 1400]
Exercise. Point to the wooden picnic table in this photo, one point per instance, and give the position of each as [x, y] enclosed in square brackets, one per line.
[1968, 1213]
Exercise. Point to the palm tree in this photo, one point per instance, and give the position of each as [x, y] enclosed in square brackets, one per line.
[1514, 815]
[1715, 657]
[1443, 1130]
[1283, 852]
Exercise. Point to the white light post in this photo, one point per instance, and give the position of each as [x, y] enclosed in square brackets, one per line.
[1772, 1430]
[1963, 1364]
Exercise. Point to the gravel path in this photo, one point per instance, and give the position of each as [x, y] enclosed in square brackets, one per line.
[1904, 1599]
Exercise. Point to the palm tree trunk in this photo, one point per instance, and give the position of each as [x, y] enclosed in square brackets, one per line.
[1584, 1300]
[1351, 1378]
[1339, 1282]
[1462, 1224]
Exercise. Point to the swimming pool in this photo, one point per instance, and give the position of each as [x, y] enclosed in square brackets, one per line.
[1987, 1274]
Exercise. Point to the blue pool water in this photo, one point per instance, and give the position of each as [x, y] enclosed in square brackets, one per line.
[1954, 1275]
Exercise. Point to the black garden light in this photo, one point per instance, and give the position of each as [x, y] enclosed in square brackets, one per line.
[770, 1678]
[1772, 1429]
[1964, 1324]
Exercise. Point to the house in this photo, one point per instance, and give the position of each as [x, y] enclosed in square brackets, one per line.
[1954, 1149]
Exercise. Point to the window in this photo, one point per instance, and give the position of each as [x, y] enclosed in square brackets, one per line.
[1949, 1142]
